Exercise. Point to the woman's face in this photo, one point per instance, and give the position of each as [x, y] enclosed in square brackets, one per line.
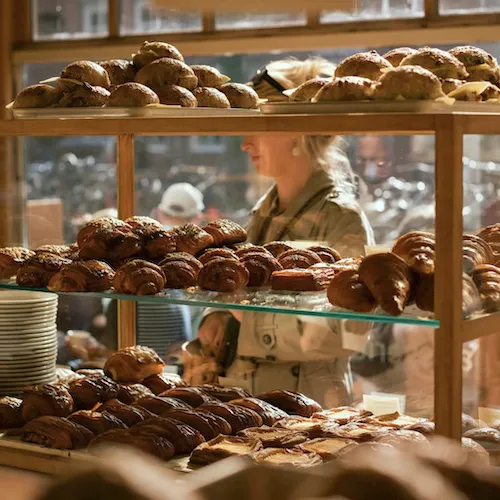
[269, 154]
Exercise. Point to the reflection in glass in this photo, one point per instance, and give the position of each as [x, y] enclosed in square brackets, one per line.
[257, 20]
[468, 6]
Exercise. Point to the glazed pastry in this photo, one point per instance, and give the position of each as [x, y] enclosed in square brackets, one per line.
[95, 225]
[41, 400]
[10, 413]
[181, 269]
[326, 254]
[139, 277]
[11, 259]
[37, 271]
[133, 364]
[131, 393]
[156, 241]
[244, 249]
[184, 437]
[490, 234]
[417, 249]
[192, 239]
[129, 415]
[298, 258]
[206, 423]
[487, 281]
[224, 394]
[342, 415]
[346, 290]
[271, 437]
[66, 251]
[287, 457]
[224, 447]
[161, 404]
[223, 275]
[161, 383]
[56, 432]
[326, 448]
[239, 418]
[270, 414]
[90, 391]
[83, 276]
[476, 252]
[314, 279]
[313, 427]
[260, 267]
[277, 247]
[293, 403]
[90, 372]
[213, 253]
[146, 442]
[96, 422]
[389, 280]
[120, 71]
[225, 232]
[192, 396]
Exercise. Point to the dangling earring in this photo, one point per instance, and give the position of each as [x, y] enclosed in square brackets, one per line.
[296, 151]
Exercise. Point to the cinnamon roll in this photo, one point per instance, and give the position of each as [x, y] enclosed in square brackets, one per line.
[96, 422]
[277, 247]
[260, 267]
[223, 275]
[346, 290]
[131, 393]
[161, 383]
[129, 415]
[133, 364]
[139, 277]
[225, 232]
[303, 259]
[90, 391]
[48, 399]
[10, 413]
[161, 404]
[213, 253]
[476, 252]
[37, 271]
[11, 259]
[326, 254]
[417, 249]
[487, 281]
[192, 239]
[83, 276]
[181, 270]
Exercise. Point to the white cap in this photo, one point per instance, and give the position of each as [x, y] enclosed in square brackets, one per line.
[182, 200]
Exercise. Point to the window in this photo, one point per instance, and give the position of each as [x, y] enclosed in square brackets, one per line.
[468, 6]
[207, 144]
[95, 17]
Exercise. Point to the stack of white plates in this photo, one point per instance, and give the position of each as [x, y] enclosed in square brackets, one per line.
[28, 339]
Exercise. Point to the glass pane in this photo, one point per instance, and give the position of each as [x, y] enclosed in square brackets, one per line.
[138, 17]
[468, 6]
[377, 9]
[57, 19]
[257, 20]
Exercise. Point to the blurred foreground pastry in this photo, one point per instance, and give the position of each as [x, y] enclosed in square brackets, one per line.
[133, 364]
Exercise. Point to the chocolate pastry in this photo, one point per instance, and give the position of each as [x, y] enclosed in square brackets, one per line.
[213, 253]
[326, 448]
[83, 276]
[389, 280]
[156, 241]
[161, 383]
[303, 259]
[487, 280]
[417, 249]
[402, 437]
[120, 71]
[314, 279]
[244, 249]
[161, 404]
[225, 232]
[11, 259]
[184, 437]
[476, 252]
[239, 418]
[219, 424]
[293, 403]
[129, 415]
[192, 396]
[40, 400]
[192, 239]
[206, 423]
[56, 432]
[139, 277]
[224, 394]
[326, 254]
[66, 251]
[95, 225]
[286, 457]
[260, 267]
[491, 234]
[348, 264]
[271, 437]
[133, 364]
[181, 269]
[223, 275]
[223, 447]
[358, 431]
[96, 422]
[277, 247]
[146, 442]
[37, 271]
[270, 414]
[313, 427]
[10, 413]
[131, 393]
[90, 391]
[342, 415]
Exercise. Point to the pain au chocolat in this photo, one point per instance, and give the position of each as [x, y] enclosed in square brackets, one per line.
[10, 413]
[90, 391]
[293, 403]
[162, 382]
[206, 423]
[48, 399]
[161, 404]
[129, 415]
[131, 393]
[11, 259]
[270, 414]
[286, 457]
[133, 364]
[96, 422]
[181, 269]
[239, 418]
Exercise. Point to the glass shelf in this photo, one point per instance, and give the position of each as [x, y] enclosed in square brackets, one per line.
[266, 301]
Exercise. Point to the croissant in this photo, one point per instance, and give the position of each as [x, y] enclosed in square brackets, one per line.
[192, 396]
[389, 280]
[56, 432]
[37, 271]
[181, 270]
[346, 290]
[476, 252]
[277, 247]
[490, 234]
[89, 391]
[225, 232]
[139, 277]
[161, 383]
[213, 253]
[260, 267]
[133, 364]
[224, 394]
[96, 422]
[155, 240]
[10, 413]
[83, 276]
[192, 239]
[40, 400]
[417, 249]
[11, 259]
[326, 254]
[129, 415]
[130, 393]
[206, 423]
[66, 251]
[487, 281]
[98, 224]
[298, 259]
[161, 404]
[238, 417]
[223, 275]
[293, 403]
[270, 414]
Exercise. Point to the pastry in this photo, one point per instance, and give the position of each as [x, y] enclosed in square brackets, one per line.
[139, 277]
[120, 71]
[37, 96]
[95, 225]
[314, 279]
[402, 438]
[131, 95]
[11, 259]
[389, 280]
[244, 249]
[240, 96]
[155, 240]
[87, 72]
[481, 66]
[173, 95]
[206, 423]
[306, 91]
[129, 415]
[358, 431]
[326, 254]
[83, 96]
[395, 56]
[150, 51]
[272, 437]
[192, 396]
[66, 251]
[394, 420]
[207, 97]
[346, 290]
[346, 88]
[88, 392]
[450, 84]
[10, 413]
[293, 403]
[487, 281]
[342, 415]
[83, 276]
[56, 432]
[326, 448]
[443, 64]
[65, 376]
[213, 253]
[476, 252]
[223, 275]
[192, 239]
[286, 457]
[41, 400]
[270, 414]
[37, 271]
[489, 439]
[364, 64]
[133, 364]
[417, 249]
[209, 76]
[90, 372]
[313, 427]
[224, 394]
[349, 264]
[277, 247]
[184, 437]
[95, 421]
[166, 71]
[131, 393]
[223, 447]
[161, 382]
[239, 418]
[426, 427]
[491, 234]
[225, 232]
[260, 267]
[298, 259]
[181, 270]
[161, 404]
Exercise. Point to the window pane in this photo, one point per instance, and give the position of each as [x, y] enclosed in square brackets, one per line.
[258, 20]
[377, 9]
[58, 19]
[469, 6]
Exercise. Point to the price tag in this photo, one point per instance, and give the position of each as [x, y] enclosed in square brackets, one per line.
[489, 415]
[401, 397]
[381, 405]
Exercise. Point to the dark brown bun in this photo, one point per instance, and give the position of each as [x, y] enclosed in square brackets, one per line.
[132, 94]
[177, 96]
[120, 71]
[150, 51]
[240, 95]
[210, 98]
[37, 96]
[87, 72]
[167, 71]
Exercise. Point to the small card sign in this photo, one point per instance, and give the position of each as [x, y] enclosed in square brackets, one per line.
[381, 405]
[401, 397]
[372, 250]
[489, 415]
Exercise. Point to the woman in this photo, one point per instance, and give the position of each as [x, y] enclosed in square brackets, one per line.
[311, 202]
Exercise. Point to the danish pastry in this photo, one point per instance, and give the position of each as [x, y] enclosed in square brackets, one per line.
[417, 249]
[129, 415]
[239, 418]
[277, 247]
[161, 382]
[260, 267]
[313, 279]
[11, 259]
[270, 414]
[213, 253]
[326, 448]
[223, 447]
[139, 277]
[313, 427]
[130, 393]
[284, 456]
[342, 414]
[37, 271]
[272, 437]
[10, 413]
[181, 270]
[298, 258]
[96, 422]
[41, 400]
[225, 232]
[487, 281]
[223, 275]
[133, 364]
[346, 290]
[192, 239]
[83, 276]
[206, 423]
[326, 254]
[292, 403]
[90, 391]
[161, 404]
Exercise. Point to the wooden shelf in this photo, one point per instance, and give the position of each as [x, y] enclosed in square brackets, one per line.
[481, 326]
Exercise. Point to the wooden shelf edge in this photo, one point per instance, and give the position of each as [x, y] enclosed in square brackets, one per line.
[482, 326]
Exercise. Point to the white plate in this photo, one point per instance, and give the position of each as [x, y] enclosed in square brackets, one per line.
[18, 388]
[28, 346]
[8, 297]
[27, 377]
[35, 371]
[27, 323]
[27, 339]
[32, 314]
[27, 311]
[33, 360]
[20, 357]
[36, 326]
[16, 332]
